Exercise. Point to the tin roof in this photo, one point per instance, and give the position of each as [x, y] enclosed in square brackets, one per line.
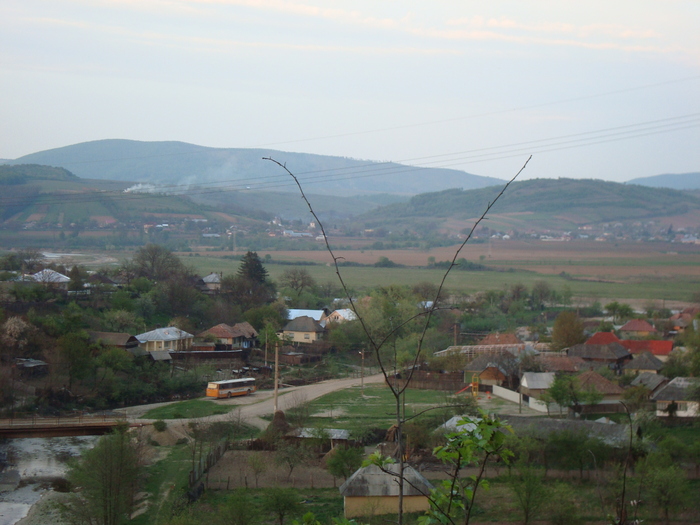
[373, 481]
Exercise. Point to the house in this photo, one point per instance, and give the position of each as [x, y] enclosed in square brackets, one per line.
[602, 338]
[651, 381]
[493, 369]
[659, 349]
[684, 318]
[51, 278]
[494, 344]
[341, 315]
[613, 354]
[316, 315]
[678, 398]
[535, 383]
[372, 491]
[240, 335]
[643, 363]
[115, 339]
[303, 329]
[212, 282]
[561, 363]
[165, 339]
[637, 328]
[591, 380]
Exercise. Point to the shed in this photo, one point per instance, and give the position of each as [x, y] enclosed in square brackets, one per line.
[373, 491]
[534, 383]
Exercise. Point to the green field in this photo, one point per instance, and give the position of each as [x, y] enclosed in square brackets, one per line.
[650, 287]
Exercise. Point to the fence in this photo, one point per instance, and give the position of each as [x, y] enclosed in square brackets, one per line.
[204, 464]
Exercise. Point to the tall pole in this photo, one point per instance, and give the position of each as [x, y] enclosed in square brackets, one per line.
[277, 373]
[362, 373]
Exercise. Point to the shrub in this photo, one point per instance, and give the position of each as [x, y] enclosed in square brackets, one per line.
[160, 425]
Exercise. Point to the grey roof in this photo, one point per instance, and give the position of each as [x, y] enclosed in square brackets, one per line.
[50, 276]
[212, 278]
[649, 380]
[645, 361]
[537, 380]
[373, 481]
[303, 324]
[679, 389]
[610, 352]
[316, 315]
[329, 433]
[161, 355]
[170, 333]
[614, 435]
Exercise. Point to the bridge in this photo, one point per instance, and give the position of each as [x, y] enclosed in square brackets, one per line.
[58, 426]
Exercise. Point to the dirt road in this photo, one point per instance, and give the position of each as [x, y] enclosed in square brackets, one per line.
[261, 403]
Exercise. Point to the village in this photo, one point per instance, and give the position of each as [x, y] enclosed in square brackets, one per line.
[608, 376]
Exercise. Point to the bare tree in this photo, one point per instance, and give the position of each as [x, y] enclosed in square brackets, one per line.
[377, 343]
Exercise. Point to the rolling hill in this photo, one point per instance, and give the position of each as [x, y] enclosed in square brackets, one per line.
[182, 164]
[540, 204]
[675, 181]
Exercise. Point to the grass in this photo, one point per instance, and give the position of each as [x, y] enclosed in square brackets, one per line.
[347, 409]
[189, 409]
[166, 481]
[652, 287]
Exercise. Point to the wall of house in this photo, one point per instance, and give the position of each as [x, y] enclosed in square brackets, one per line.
[357, 506]
[300, 337]
[692, 409]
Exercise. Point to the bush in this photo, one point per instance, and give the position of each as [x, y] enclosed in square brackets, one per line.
[160, 425]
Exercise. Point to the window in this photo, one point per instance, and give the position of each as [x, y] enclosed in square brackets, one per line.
[307, 336]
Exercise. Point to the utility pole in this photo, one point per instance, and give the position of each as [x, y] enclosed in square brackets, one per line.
[277, 373]
[362, 371]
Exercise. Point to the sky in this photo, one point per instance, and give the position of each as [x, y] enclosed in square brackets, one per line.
[595, 89]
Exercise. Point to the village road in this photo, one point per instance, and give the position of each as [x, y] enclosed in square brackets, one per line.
[261, 403]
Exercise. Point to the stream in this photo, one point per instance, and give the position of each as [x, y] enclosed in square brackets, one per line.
[31, 466]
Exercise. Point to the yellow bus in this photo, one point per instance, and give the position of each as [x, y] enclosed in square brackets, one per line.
[231, 387]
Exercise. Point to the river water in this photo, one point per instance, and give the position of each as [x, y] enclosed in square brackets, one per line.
[35, 463]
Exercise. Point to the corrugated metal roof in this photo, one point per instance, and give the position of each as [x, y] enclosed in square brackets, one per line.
[678, 389]
[537, 380]
[372, 481]
[171, 333]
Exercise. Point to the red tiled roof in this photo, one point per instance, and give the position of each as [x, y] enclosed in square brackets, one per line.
[602, 338]
[637, 325]
[655, 347]
[220, 331]
[500, 339]
[597, 382]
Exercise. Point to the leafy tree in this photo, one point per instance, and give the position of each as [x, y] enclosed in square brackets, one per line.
[567, 331]
[258, 464]
[291, 456]
[297, 279]
[344, 461]
[668, 488]
[156, 262]
[238, 510]
[477, 441]
[282, 503]
[106, 479]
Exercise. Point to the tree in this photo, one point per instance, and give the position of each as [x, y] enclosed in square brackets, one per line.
[668, 488]
[258, 464]
[344, 461]
[156, 262]
[252, 269]
[530, 492]
[76, 358]
[297, 279]
[475, 442]
[291, 456]
[106, 479]
[567, 331]
[282, 503]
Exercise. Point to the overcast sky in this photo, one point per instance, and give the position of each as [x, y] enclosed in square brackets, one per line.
[594, 89]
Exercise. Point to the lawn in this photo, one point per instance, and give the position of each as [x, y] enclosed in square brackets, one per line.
[189, 409]
[348, 409]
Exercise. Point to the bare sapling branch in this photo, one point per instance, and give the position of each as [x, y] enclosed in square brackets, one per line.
[378, 343]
